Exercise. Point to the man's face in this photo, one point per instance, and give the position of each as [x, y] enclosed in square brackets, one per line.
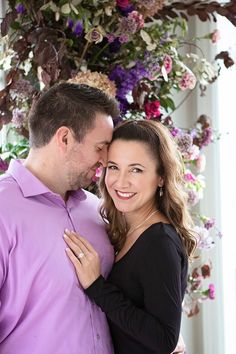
[85, 157]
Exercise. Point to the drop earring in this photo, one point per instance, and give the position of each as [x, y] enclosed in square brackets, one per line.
[161, 192]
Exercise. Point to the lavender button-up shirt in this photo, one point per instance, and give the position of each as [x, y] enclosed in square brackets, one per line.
[43, 309]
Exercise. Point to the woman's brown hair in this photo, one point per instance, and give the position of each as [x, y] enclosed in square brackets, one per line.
[173, 202]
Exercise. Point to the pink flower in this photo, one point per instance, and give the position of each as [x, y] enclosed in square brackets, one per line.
[189, 177]
[97, 174]
[138, 18]
[110, 37]
[3, 165]
[188, 81]
[122, 3]
[211, 291]
[209, 223]
[167, 63]
[152, 109]
[200, 163]
[215, 36]
[123, 38]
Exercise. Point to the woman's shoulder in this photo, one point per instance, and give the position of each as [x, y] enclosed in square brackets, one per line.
[163, 235]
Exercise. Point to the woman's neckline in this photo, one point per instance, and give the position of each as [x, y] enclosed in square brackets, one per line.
[139, 237]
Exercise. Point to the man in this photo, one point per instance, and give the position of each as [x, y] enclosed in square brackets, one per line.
[43, 309]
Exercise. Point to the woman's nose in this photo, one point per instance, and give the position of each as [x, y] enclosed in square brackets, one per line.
[122, 180]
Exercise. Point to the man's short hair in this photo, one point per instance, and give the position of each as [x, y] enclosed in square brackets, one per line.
[67, 104]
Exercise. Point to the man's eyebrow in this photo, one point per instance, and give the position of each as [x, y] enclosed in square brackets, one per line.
[104, 142]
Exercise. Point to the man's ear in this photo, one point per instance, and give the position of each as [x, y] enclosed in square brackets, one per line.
[63, 137]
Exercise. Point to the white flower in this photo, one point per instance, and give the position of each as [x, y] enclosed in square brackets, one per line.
[204, 240]
[204, 71]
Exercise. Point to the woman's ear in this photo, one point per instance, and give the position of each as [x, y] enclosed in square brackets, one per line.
[161, 182]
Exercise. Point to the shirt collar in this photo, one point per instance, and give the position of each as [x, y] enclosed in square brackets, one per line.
[30, 185]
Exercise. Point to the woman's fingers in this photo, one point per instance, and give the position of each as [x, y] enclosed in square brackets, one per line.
[73, 258]
[76, 246]
[88, 245]
[80, 241]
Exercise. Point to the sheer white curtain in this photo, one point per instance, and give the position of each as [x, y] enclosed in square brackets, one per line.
[203, 333]
[227, 124]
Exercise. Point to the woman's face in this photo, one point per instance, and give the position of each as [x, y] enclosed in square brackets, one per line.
[131, 178]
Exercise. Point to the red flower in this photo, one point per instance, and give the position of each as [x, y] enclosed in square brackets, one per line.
[152, 109]
[206, 270]
[122, 3]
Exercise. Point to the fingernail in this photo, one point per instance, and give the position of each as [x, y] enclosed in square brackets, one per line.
[66, 230]
[65, 236]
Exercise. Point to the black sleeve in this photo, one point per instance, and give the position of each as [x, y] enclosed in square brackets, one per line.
[157, 327]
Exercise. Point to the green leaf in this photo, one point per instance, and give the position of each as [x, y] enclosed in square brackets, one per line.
[15, 25]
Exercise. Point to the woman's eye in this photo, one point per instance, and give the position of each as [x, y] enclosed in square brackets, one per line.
[112, 167]
[137, 170]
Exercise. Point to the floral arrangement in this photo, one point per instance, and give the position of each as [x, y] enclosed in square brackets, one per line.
[131, 49]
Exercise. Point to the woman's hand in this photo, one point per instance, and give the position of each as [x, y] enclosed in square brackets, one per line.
[84, 258]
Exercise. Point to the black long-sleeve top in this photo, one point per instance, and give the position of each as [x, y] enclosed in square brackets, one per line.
[143, 295]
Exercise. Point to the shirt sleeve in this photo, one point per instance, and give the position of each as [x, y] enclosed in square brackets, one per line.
[157, 325]
[4, 252]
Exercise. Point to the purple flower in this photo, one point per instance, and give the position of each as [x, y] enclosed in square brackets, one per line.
[110, 37]
[209, 223]
[184, 142]
[20, 8]
[207, 137]
[123, 38]
[125, 80]
[114, 46]
[78, 28]
[3, 165]
[18, 117]
[175, 131]
[70, 23]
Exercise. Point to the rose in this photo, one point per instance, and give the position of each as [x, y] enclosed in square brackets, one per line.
[122, 3]
[167, 63]
[152, 109]
[95, 35]
[188, 81]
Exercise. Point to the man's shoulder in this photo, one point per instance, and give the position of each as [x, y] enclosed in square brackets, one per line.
[7, 182]
[9, 189]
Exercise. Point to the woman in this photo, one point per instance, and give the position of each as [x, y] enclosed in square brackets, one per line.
[149, 225]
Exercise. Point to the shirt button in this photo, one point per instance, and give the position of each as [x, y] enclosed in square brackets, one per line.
[98, 336]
